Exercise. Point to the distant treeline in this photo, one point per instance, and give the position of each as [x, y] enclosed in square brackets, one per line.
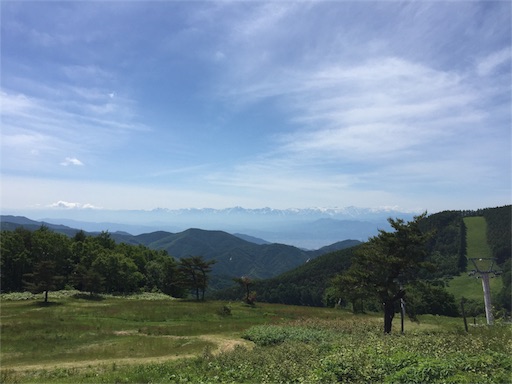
[44, 260]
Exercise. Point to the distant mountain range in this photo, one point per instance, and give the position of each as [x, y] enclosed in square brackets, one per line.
[235, 255]
[309, 228]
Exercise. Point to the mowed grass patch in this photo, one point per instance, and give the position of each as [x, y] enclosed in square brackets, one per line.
[477, 247]
[471, 288]
[476, 237]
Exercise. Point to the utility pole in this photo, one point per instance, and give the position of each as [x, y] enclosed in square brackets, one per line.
[484, 274]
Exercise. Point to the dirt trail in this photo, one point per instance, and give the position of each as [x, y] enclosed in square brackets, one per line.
[222, 343]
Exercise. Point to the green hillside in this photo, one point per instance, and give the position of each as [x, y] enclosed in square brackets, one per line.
[304, 285]
[234, 256]
[456, 234]
[477, 247]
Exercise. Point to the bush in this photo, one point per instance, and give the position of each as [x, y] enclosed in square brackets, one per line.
[264, 335]
[224, 311]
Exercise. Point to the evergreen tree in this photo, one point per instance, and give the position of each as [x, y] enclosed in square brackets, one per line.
[43, 279]
[194, 272]
[388, 261]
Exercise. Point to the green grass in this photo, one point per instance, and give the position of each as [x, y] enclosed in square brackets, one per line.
[151, 339]
[71, 329]
[471, 288]
[476, 237]
[477, 247]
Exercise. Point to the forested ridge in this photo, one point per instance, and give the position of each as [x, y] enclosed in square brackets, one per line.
[234, 256]
[311, 284]
[304, 285]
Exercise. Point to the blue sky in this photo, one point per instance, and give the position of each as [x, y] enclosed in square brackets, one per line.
[138, 105]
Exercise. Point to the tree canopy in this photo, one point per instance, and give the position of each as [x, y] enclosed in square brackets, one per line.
[43, 260]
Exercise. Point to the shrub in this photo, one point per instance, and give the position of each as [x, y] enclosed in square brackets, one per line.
[224, 311]
[273, 334]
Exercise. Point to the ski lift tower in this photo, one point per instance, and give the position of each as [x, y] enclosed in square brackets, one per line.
[485, 273]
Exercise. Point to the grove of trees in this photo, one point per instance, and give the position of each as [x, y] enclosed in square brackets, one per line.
[43, 260]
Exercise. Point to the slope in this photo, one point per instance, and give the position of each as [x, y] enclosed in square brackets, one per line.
[233, 256]
[304, 285]
[477, 247]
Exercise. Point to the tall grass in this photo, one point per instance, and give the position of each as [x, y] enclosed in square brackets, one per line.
[71, 329]
[117, 340]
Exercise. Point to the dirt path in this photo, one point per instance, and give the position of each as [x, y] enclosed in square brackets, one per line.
[222, 343]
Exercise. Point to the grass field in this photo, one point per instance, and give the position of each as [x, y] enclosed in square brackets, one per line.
[156, 339]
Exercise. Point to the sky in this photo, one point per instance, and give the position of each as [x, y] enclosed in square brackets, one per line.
[179, 104]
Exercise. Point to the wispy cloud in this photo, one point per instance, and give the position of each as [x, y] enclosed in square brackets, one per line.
[80, 120]
[382, 107]
[306, 103]
[490, 63]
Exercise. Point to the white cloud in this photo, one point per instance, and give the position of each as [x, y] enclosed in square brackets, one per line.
[71, 161]
[14, 103]
[68, 205]
[489, 64]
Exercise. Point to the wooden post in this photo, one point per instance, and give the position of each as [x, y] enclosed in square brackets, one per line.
[402, 313]
[464, 314]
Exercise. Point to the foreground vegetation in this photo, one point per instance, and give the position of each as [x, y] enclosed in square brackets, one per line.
[153, 338]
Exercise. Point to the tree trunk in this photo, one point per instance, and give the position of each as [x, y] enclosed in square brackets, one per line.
[389, 310]
[389, 313]
[46, 296]
[203, 286]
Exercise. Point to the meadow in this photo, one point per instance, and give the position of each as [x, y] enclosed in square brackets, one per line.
[153, 338]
